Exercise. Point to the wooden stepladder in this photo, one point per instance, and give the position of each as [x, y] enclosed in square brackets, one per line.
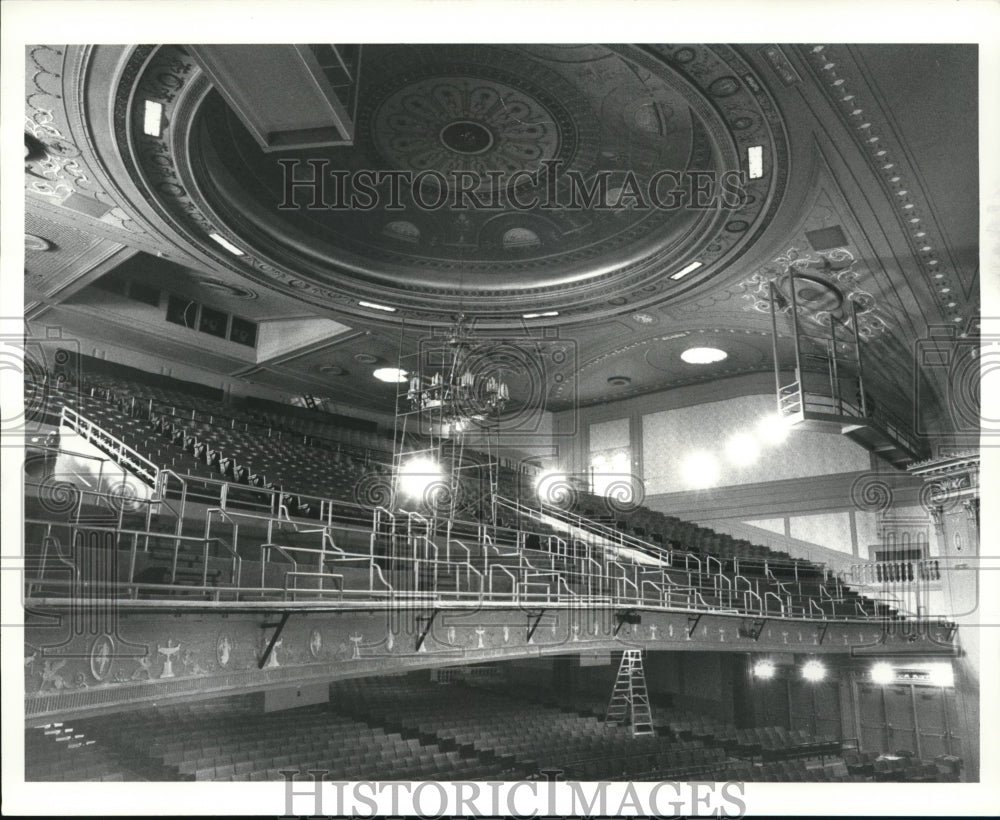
[629, 703]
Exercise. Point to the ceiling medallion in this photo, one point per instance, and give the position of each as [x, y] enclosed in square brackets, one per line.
[466, 137]
[465, 123]
[643, 318]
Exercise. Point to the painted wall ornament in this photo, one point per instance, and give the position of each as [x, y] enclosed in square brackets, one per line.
[224, 649]
[827, 282]
[102, 652]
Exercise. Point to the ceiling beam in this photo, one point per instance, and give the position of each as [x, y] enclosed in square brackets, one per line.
[282, 93]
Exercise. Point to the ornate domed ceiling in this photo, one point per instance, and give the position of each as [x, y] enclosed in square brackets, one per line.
[147, 149]
[489, 179]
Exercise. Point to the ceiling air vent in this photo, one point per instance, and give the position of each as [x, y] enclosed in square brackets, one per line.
[823, 239]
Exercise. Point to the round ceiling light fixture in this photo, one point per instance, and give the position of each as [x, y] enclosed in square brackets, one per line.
[619, 381]
[365, 358]
[703, 355]
[390, 375]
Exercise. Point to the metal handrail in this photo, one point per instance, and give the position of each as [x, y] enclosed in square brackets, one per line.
[81, 424]
[502, 568]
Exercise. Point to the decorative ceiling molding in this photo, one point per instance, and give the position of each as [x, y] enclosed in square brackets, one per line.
[843, 84]
[58, 170]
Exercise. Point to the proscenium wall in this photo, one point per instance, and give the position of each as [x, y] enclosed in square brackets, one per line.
[800, 488]
[664, 427]
[669, 437]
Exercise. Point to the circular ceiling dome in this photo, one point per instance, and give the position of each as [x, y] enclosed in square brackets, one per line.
[515, 178]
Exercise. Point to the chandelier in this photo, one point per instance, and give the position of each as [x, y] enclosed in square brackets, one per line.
[460, 394]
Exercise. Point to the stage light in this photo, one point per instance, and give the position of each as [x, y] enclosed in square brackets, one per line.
[549, 484]
[883, 673]
[701, 469]
[773, 429]
[742, 449]
[813, 671]
[763, 670]
[392, 375]
[703, 355]
[417, 475]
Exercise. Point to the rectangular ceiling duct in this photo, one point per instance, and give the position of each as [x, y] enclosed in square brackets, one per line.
[288, 96]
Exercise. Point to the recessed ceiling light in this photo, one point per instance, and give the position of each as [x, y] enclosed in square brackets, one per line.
[539, 315]
[152, 118]
[332, 370]
[375, 306]
[391, 375]
[229, 246]
[686, 270]
[365, 358]
[619, 381]
[755, 161]
[703, 355]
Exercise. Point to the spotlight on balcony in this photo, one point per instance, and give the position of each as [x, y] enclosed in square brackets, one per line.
[882, 673]
[763, 670]
[417, 475]
[813, 671]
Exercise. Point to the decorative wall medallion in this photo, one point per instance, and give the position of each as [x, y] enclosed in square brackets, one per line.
[224, 647]
[102, 652]
[315, 643]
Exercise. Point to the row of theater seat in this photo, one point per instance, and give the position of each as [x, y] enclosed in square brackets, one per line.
[296, 470]
[240, 743]
[405, 727]
[182, 398]
[903, 766]
[767, 742]
[58, 752]
[527, 736]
